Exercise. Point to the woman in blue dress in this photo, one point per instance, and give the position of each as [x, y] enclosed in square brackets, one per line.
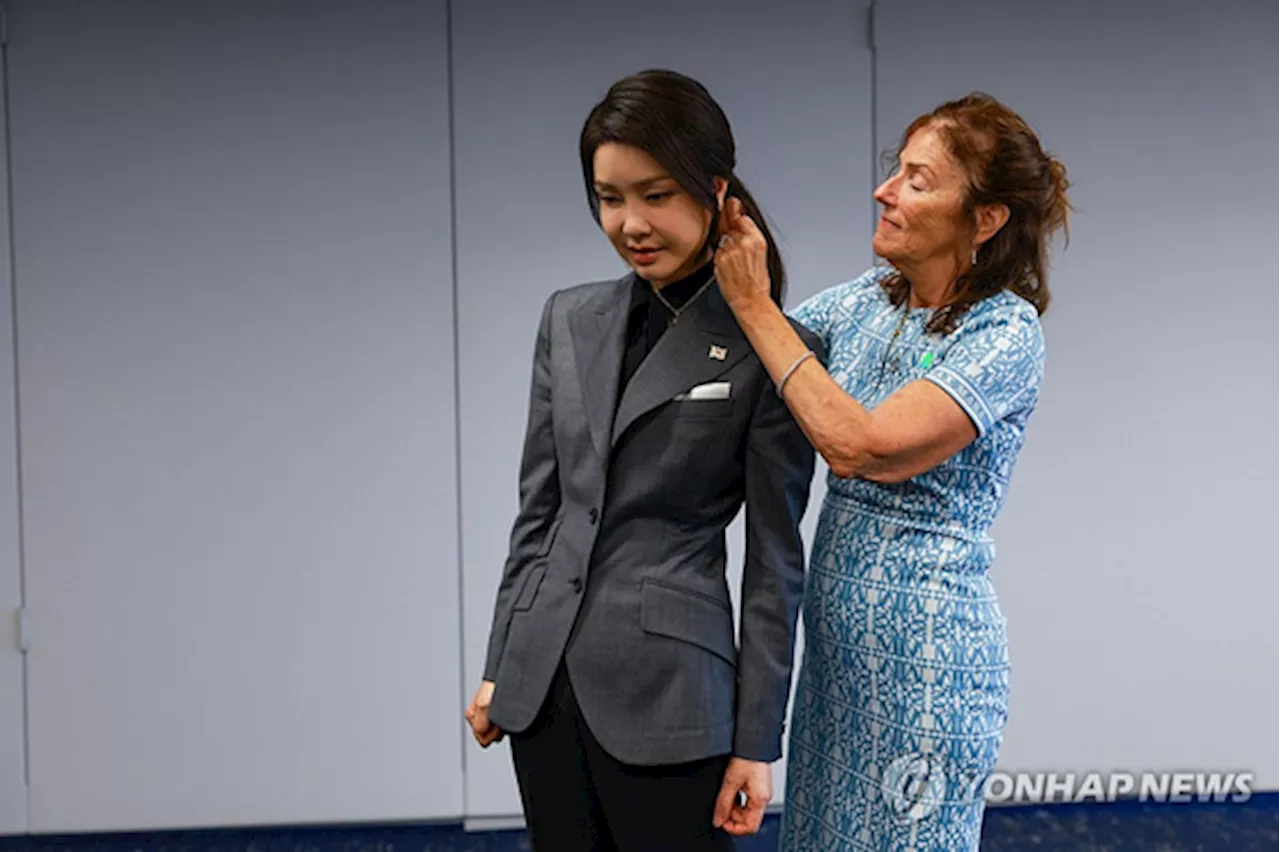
[934, 365]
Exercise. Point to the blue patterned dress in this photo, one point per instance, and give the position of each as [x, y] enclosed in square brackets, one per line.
[901, 701]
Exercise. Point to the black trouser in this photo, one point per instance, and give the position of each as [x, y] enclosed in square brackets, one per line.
[577, 798]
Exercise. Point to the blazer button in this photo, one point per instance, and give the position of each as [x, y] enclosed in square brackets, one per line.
[593, 515]
[576, 582]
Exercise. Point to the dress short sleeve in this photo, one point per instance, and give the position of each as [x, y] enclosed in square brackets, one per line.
[995, 364]
[816, 314]
[822, 313]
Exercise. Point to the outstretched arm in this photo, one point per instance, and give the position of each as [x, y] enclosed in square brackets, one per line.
[916, 428]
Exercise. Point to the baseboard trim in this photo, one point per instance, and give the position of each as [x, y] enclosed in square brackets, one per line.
[512, 822]
[1264, 800]
[515, 822]
[217, 839]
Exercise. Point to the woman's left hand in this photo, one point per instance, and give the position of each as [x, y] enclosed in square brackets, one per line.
[742, 258]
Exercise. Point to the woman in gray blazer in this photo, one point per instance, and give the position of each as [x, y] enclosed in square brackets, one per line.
[638, 719]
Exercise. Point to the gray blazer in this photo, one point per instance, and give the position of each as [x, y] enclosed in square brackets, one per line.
[617, 555]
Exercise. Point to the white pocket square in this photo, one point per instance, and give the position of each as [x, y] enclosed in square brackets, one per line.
[711, 390]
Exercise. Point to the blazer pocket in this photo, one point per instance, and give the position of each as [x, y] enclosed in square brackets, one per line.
[696, 409]
[667, 610]
[529, 588]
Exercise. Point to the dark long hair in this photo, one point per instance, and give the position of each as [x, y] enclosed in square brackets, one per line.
[1003, 163]
[674, 119]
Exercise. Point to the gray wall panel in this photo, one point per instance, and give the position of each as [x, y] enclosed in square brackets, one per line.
[13, 785]
[235, 303]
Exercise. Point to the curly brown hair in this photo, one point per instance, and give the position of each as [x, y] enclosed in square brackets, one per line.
[1003, 163]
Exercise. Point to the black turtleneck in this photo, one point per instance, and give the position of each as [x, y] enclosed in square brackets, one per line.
[648, 318]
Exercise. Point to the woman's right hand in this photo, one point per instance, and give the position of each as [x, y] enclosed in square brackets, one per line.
[486, 733]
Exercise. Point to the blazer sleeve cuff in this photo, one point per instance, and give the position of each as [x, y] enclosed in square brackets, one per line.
[761, 746]
[493, 655]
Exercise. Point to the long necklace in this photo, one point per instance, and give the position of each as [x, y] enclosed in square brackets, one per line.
[675, 312]
[884, 359]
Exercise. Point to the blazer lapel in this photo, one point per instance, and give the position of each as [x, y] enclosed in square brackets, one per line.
[704, 344]
[598, 328]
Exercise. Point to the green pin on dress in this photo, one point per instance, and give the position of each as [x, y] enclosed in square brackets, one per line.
[926, 360]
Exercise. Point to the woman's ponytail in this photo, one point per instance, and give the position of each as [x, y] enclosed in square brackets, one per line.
[777, 273]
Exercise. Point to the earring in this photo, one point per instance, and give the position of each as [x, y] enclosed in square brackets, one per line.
[973, 258]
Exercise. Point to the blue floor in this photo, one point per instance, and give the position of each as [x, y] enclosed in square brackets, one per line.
[1056, 828]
